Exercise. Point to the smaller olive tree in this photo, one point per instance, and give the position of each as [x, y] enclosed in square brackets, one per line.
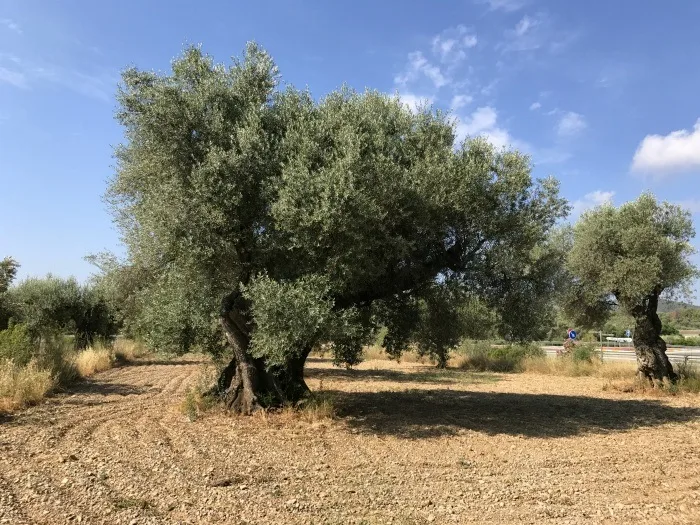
[51, 305]
[625, 258]
[8, 272]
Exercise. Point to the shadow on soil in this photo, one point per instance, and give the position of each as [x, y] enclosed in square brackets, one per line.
[419, 374]
[161, 362]
[97, 387]
[415, 414]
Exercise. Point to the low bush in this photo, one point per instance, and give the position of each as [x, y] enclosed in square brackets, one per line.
[679, 340]
[482, 357]
[585, 353]
[16, 345]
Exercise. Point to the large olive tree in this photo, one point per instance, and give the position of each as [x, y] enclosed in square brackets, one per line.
[626, 258]
[282, 222]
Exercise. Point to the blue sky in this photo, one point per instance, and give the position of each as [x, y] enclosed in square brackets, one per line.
[603, 95]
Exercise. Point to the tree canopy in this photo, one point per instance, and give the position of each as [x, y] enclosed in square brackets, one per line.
[628, 257]
[281, 221]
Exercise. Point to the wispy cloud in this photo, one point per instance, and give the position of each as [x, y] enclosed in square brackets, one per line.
[570, 124]
[11, 25]
[417, 66]
[459, 101]
[534, 33]
[528, 34]
[14, 78]
[535, 106]
[99, 83]
[451, 45]
[663, 155]
[507, 6]
[589, 201]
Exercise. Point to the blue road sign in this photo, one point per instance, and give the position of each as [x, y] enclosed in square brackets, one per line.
[572, 334]
[628, 333]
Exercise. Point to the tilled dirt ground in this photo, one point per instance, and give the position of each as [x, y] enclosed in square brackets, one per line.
[410, 446]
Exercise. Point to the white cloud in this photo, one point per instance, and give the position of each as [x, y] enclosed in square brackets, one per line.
[11, 25]
[503, 5]
[484, 122]
[452, 44]
[590, 200]
[14, 78]
[524, 25]
[459, 101]
[664, 154]
[414, 102]
[535, 106]
[570, 124]
[419, 65]
[536, 33]
[470, 41]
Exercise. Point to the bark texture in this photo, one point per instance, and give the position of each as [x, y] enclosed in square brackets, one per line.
[247, 384]
[652, 362]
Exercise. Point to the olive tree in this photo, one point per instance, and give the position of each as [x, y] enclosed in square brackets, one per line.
[8, 272]
[282, 222]
[625, 258]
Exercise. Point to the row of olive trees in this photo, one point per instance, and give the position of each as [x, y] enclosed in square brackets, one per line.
[52, 305]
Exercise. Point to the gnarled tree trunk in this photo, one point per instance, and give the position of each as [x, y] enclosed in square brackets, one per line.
[652, 362]
[247, 384]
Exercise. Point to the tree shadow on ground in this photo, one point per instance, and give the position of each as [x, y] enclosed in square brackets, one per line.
[416, 414]
[103, 388]
[159, 362]
[418, 374]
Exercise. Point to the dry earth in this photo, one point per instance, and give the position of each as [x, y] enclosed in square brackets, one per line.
[410, 446]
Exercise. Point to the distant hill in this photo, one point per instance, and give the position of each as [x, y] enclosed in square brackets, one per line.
[666, 306]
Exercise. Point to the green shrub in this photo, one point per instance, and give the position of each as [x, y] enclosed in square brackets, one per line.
[682, 341]
[16, 344]
[482, 357]
[584, 353]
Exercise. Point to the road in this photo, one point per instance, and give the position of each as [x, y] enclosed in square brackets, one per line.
[676, 355]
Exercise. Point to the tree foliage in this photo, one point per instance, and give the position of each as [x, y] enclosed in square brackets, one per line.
[627, 257]
[295, 221]
[621, 255]
[50, 305]
[8, 272]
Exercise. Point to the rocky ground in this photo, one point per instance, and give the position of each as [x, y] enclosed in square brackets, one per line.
[409, 446]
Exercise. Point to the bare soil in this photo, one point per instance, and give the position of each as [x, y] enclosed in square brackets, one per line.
[409, 446]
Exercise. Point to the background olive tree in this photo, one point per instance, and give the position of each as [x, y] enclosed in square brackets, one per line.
[626, 258]
[281, 222]
[8, 272]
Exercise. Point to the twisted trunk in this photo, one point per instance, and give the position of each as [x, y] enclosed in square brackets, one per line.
[652, 362]
[247, 384]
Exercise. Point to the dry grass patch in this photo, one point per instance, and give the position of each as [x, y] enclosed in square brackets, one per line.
[127, 350]
[377, 353]
[688, 383]
[90, 361]
[21, 386]
[567, 367]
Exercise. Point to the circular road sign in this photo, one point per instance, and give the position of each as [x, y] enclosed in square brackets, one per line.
[572, 334]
